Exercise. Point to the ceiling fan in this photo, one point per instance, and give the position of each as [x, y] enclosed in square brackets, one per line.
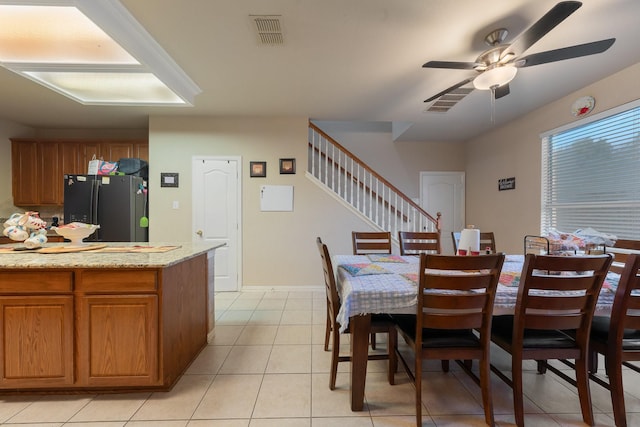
[498, 65]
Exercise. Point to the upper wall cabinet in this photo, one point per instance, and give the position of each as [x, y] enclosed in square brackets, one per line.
[38, 166]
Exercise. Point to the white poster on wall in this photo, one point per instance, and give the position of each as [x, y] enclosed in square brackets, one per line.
[276, 198]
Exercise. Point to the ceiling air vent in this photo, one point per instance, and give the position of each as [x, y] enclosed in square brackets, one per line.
[268, 29]
[449, 100]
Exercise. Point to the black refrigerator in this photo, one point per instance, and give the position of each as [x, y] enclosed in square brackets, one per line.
[117, 203]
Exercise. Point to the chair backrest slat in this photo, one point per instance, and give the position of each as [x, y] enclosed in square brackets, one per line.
[415, 243]
[462, 282]
[566, 322]
[371, 242]
[444, 321]
[565, 303]
[464, 301]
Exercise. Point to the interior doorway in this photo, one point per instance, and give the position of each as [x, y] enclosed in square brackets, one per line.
[444, 192]
[217, 213]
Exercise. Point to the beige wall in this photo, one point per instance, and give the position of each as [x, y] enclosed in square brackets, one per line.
[514, 150]
[278, 247]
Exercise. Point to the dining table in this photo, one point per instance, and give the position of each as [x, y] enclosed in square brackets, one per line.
[381, 283]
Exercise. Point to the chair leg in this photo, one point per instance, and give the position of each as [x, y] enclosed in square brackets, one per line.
[593, 361]
[614, 367]
[335, 354]
[373, 341]
[327, 330]
[445, 365]
[584, 392]
[542, 366]
[418, 385]
[485, 385]
[518, 404]
[392, 345]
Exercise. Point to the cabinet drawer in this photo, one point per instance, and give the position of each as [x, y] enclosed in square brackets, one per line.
[117, 281]
[41, 281]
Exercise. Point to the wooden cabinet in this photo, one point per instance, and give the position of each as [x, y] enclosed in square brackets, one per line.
[118, 326]
[121, 340]
[50, 181]
[38, 167]
[91, 329]
[24, 172]
[36, 314]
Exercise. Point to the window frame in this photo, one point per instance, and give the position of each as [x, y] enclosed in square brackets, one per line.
[621, 216]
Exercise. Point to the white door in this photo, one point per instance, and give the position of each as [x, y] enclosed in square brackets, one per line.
[216, 214]
[444, 192]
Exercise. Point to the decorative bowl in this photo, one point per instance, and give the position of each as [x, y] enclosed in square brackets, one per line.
[76, 231]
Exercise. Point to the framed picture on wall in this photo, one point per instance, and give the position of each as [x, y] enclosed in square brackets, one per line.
[287, 166]
[258, 169]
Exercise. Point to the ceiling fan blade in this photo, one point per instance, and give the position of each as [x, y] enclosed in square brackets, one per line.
[501, 91]
[548, 22]
[450, 89]
[565, 53]
[450, 64]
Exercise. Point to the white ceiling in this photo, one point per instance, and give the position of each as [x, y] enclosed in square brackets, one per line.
[348, 60]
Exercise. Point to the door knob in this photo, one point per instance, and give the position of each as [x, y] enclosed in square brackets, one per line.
[199, 233]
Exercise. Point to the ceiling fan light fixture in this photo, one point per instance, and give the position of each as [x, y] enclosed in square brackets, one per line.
[495, 77]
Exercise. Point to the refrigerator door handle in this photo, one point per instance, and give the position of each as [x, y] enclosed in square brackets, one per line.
[95, 197]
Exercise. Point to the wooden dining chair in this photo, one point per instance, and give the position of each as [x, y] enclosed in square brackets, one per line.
[455, 238]
[380, 323]
[620, 250]
[371, 242]
[487, 240]
[556, 300]
[415, 243]
[618, 337]
[455, 297]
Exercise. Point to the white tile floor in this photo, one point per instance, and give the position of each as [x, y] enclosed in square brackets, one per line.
[266, 368]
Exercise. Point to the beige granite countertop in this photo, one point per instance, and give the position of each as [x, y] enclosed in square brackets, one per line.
[96, 259]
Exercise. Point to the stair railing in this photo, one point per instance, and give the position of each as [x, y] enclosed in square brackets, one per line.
[361, 188]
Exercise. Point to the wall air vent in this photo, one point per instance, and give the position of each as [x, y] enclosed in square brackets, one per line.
[268, 29]
[448, 101]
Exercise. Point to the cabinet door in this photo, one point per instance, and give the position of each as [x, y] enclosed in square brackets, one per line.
[33, 322]
[69, 155]
[114, 151]
[24, 173]
[117, 340]
[50, 179]
[141, 151]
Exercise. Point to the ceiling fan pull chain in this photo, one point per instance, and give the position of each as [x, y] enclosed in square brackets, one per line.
[493, 104]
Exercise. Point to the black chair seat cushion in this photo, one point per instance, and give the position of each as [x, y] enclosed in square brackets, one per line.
[600, 332]
[436, 338]
[378, 320]
[502, 330]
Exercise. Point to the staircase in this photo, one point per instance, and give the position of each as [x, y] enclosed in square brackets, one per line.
[361, 189]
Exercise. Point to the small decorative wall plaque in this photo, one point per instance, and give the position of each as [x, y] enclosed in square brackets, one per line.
[507, 183]
[168, 179]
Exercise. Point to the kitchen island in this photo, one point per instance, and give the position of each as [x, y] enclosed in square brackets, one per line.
[103, 321]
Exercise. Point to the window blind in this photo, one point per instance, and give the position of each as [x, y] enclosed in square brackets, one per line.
[591, 176]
